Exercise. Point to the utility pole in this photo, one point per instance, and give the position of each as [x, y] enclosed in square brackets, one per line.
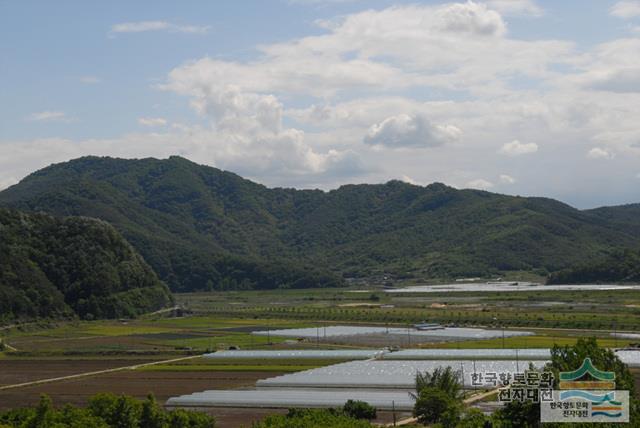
[393, 407]
[474, 369]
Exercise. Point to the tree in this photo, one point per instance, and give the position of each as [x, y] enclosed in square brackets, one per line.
[152, 415]
[445, 379]
[436, 405]
[359, 410]
[474, 418]
[312, 418]
[569, 358]
[43, 417]
[518, 414]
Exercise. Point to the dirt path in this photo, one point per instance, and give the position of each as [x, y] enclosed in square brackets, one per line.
[94, 373]
[470, 400]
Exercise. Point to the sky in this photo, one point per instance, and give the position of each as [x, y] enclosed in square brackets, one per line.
[522, 97]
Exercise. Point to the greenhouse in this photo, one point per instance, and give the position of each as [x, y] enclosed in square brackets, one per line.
[467, 354]
[448, 332]
[392, 374]
[287, 398]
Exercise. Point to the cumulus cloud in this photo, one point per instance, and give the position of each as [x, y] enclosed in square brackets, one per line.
[516, 7]
[49, 116]
[599, 153]
[404, 131]
[144, 26]
[248, 136]
[621, 80]
[152, 121]
[516, 148]
[507, 179]
[455, 46]
[626, 9]
[479, 184]
[472, 18]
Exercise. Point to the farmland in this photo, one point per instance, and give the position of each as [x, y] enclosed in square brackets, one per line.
[217, 321]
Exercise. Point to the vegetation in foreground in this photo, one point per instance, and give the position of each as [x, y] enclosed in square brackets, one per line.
[439, 401]
[105, 411]
[52, 267]
[354, 414]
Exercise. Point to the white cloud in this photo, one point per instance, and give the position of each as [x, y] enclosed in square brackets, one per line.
[626, 9]
[456, 46]
[7, 182]
[472, 18]
[621, 80]
[480, 184]
[599, 153]
[516, 7]
[410, 180]
[90, 80]
[49, 116]
[152, 121]
[507, 179]
[516, 148]
[144, 26]
[403, 131]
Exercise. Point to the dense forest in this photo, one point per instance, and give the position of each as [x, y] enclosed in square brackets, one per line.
[203, 228]
[620, 266]
[62, 267]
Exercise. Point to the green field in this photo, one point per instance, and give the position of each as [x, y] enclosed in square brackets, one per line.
[225, 320]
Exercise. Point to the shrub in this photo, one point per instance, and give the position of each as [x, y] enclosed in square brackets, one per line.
[435, 405]
[359, 410]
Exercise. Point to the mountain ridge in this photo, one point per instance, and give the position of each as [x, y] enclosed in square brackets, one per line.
[183, 217]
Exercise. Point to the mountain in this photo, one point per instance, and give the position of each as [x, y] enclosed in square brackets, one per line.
[619, 267]
[58, 267]
[203, 228]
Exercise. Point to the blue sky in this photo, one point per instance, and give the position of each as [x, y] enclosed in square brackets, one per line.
[513, 96]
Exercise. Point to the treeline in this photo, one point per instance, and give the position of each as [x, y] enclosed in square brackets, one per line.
[619, 267]
[51, 268]
[105, 411]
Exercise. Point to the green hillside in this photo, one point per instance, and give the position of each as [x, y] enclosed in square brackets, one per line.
[202, 228]
[619, 267]
[61, 267]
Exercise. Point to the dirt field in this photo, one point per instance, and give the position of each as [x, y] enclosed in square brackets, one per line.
[19, 371]
[136, 383]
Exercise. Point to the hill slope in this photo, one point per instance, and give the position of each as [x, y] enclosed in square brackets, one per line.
[57, 267]
[200, 227]
[618, 267]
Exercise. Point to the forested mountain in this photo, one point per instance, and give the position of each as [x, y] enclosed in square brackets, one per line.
[200, 227]
[57, 267]
[619, 267]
